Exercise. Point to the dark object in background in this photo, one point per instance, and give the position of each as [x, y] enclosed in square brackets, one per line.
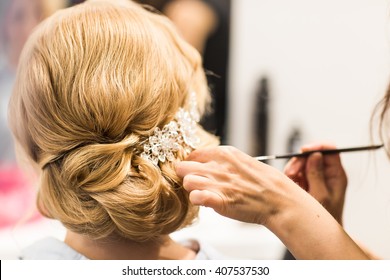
[261, 115]
[215, 63]
[216, 60]
[294, 141]
[74, 2]
[288, 256]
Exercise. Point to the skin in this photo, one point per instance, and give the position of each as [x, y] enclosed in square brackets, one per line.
[321, 176]
[237, 186]
[119, 248]
[195, 20]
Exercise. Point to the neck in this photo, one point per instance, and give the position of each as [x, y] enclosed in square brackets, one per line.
[119, 248]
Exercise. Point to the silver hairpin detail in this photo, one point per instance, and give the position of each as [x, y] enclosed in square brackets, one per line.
[180, 132]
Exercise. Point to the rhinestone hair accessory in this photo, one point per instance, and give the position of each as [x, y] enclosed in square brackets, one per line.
[180, 132]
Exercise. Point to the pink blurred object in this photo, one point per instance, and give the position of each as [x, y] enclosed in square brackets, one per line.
[17, 197]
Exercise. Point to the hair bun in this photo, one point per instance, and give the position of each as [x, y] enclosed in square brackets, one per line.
[80, 84]
[84, 166]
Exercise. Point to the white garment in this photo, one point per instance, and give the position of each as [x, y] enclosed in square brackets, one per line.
[53, 249]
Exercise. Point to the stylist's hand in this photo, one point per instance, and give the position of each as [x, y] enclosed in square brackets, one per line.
[323, 176]
[236, 185]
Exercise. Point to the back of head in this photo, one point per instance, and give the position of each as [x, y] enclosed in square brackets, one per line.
[94, 82]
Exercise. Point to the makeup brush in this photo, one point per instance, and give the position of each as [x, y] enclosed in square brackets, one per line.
[325, 152]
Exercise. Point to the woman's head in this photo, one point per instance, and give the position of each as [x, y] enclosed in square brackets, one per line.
[94, 82]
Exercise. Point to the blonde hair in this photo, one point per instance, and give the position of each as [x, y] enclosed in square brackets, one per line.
[93, 82]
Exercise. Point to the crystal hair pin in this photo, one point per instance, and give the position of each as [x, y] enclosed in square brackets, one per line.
[162, 145]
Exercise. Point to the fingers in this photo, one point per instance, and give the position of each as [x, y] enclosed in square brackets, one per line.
[219, 154]
[332, 159]
[200, 183]
[318, 146]
[184, 168]
[206, 198]
[332, 165]
[197, 176]
[295, 170]
[216, 163]
[212, 170]
[196, 182]
[316, 177]
[208, 154]
[207, 175]
[294, 166]
[201, 155]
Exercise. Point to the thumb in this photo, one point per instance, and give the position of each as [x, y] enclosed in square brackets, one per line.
[315, 177]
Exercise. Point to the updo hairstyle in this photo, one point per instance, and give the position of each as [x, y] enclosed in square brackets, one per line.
[93, 83]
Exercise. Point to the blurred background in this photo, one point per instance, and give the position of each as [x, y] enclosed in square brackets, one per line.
[283, 73]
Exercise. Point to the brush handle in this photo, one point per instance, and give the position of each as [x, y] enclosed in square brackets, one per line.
[325, 152]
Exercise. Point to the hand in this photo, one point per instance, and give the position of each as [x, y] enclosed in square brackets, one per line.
[322, 176]
[236, 185]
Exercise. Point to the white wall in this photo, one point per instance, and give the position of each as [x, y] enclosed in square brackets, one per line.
[328, 63]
